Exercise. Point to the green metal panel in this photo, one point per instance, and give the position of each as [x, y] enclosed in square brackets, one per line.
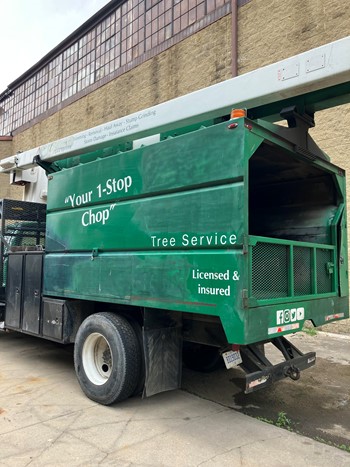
[269, 321]
[168, 226]
[207, 157]
[281, 268]
[206, 282]
[204, 218]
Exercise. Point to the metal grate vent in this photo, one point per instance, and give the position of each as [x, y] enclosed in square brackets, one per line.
[323, 266]
[302, 271]
[288, 269]
[270, 273]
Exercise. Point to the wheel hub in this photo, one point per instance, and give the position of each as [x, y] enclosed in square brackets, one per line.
[97, 359]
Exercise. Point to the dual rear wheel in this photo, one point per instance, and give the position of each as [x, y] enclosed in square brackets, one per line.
[108, 358]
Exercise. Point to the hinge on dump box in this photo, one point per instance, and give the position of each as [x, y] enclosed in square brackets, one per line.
[245, 245]
[245, 297]
[94, 253]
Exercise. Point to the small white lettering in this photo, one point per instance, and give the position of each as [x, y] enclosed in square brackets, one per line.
[197, 274]
[77, 200]
[100, 217]
[214, 290]
[187, 240]
[206, 240]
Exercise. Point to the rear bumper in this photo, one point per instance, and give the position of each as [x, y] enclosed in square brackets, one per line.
[260, 372]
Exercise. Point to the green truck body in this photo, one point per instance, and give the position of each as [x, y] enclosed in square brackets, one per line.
[224, 222]
[215, 240]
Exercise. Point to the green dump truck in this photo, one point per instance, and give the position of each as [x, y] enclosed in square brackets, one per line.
[212, 242]
[183, 234]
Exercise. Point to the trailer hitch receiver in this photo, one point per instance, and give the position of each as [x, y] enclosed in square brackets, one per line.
[293, 372]
[260, 372]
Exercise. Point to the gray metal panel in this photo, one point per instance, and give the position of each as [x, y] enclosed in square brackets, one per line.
[53, 313]
[32, 293]
[14, 291]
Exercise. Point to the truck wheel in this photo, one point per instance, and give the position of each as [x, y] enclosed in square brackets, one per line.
[200, 357]
[107, 358]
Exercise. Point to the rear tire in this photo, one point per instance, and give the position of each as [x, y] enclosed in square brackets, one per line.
[107, 358]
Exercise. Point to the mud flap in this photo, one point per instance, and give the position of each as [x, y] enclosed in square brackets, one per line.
[162, 344]
[261, 372]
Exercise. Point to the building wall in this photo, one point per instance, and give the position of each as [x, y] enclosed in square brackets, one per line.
[5, 146]
[267, 32]
[119, 37]
[7, 190]
[185, 67]
[274, 29]
[292, 28]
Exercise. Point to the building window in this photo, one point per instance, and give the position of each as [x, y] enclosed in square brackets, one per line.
[54, 82]
[133, 28]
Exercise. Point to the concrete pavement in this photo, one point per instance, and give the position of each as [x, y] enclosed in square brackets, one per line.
[317, 405]
[45, 420]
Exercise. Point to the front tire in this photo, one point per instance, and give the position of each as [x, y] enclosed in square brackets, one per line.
[107, 358]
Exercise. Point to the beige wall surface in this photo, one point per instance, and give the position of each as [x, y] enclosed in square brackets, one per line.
[7, 190]
[196, 62]
[271, 30]
[5, 148]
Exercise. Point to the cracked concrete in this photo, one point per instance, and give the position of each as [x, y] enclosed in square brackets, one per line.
[317, 405]
[45, 420]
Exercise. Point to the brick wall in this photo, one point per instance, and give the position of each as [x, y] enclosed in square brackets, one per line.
[5, 146]
[7, 190]
[272, 30]
[292, 28]
[194, 63]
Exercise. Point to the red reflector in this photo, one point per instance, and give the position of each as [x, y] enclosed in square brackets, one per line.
[231, 126]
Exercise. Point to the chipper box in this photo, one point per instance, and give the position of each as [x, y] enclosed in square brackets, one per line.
[216, 239]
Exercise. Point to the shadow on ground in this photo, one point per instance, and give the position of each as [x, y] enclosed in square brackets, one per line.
[317, 405]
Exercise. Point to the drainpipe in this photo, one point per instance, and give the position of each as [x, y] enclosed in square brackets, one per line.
[234, 38]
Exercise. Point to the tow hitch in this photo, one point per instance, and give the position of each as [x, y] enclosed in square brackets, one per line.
[293, 373]
[261, 372]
